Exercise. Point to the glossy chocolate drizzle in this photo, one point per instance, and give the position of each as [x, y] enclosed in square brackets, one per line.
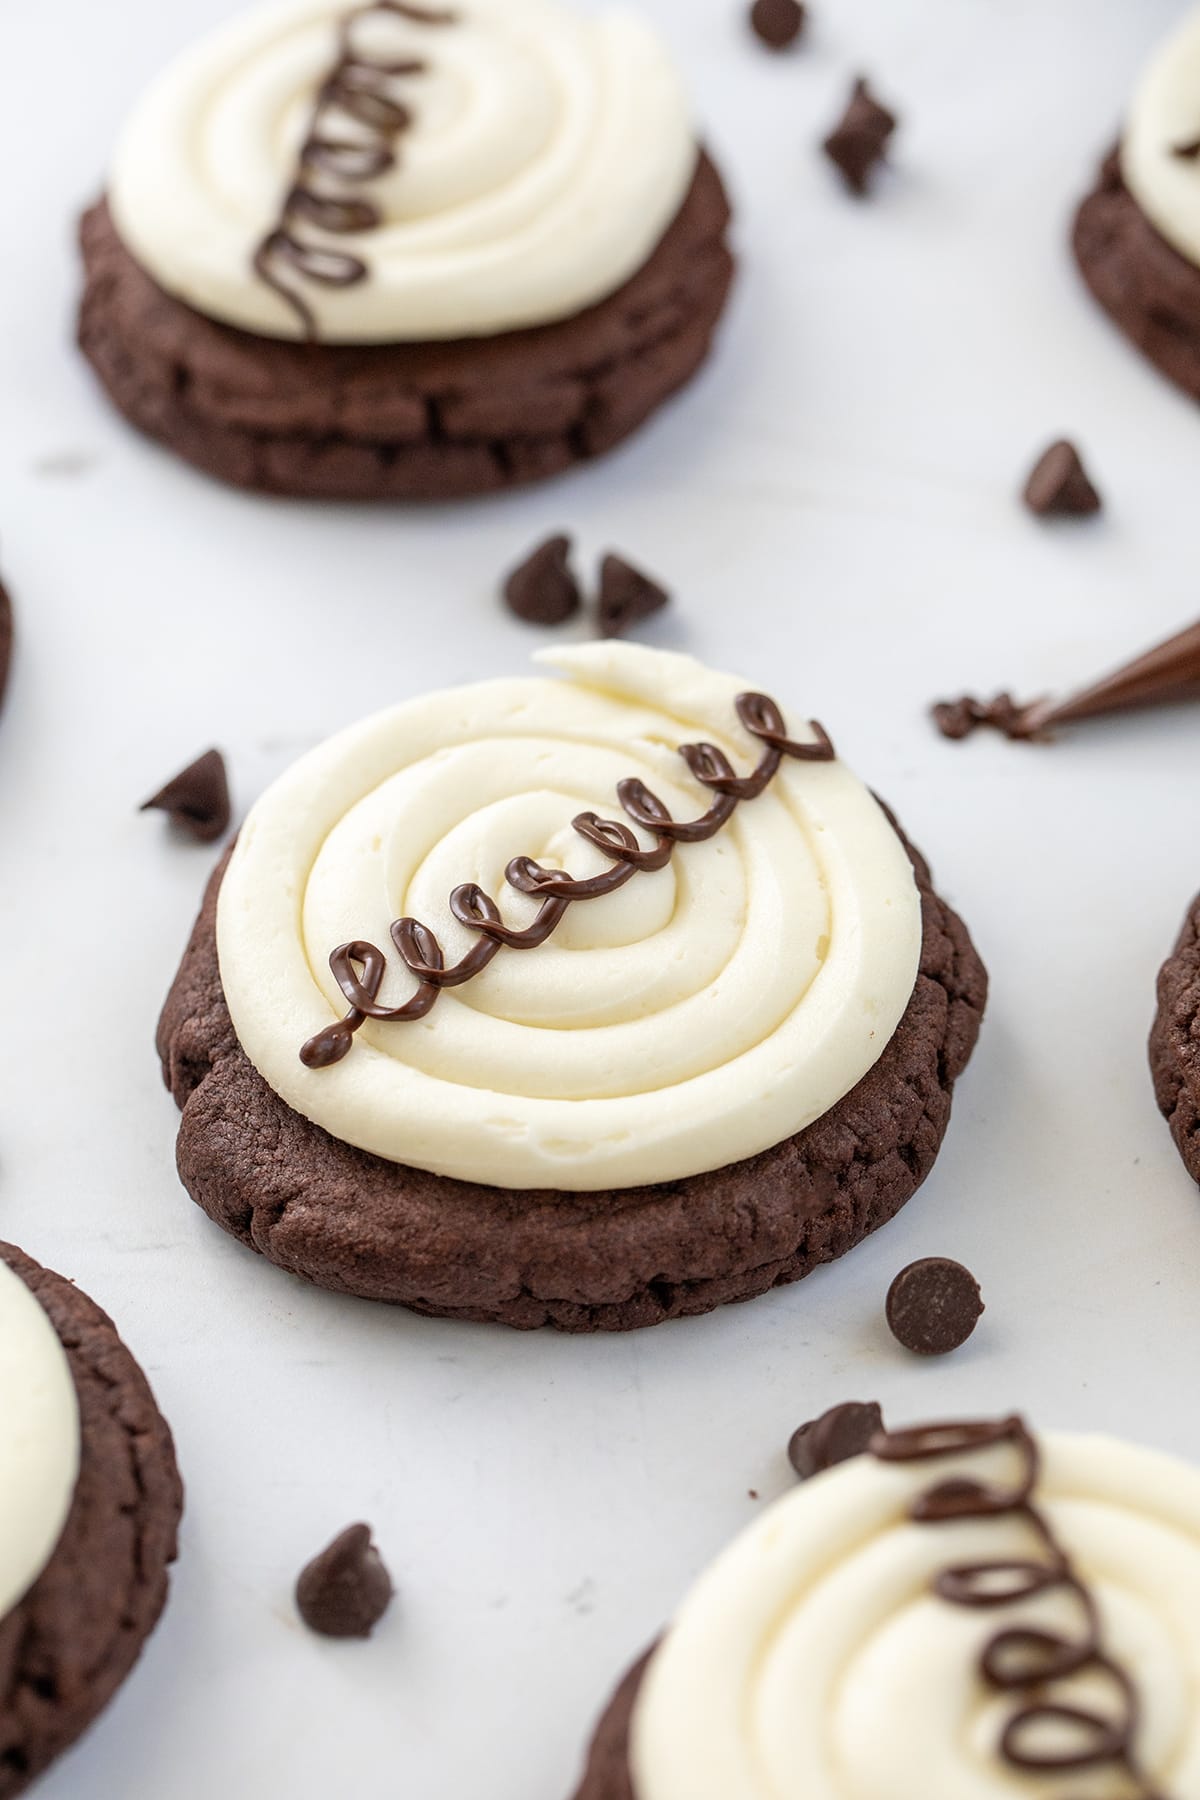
[362, 87]
[419, 949]
[1026, 1661]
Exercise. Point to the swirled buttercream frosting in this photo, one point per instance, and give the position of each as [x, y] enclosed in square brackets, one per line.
[1010, 1616]
[1160, 148]
[699, 1013]
[396, 172]
[39, 1439]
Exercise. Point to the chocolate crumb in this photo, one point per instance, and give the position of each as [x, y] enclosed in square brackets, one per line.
[1058, 485]
[752, 1493]
[6, 637]
[778, 23]
[626, 596]
[345, 1591]
[542, 590]
[197, 799]
[842, 1432]
[933, 1306]
[859, 140]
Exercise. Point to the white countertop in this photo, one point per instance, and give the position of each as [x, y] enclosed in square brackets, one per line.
[833, 503]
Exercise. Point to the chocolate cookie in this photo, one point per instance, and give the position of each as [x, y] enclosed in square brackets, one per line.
[71, 1640]
[594, 1261]
[6, 637]
[1175, 1042]
[405, 421]
[1145, 286]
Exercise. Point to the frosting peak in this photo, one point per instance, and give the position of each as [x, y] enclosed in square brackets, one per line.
[39, 1439]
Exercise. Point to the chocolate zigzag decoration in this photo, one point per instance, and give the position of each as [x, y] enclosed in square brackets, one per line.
[419, 949]
[360, 86]
[1026, 1660]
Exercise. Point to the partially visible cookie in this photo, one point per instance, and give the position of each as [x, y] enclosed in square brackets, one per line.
[6, 637]
[1175, 1042]
[70, 1638]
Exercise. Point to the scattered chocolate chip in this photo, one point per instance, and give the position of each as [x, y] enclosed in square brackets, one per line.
[543, 590]
[1059, 484]
[933, 1306]
[626, 596]
[858, 141]
[842, 1432]
[1187, 152]
[777, 22]
[197, 799]
[959, 718]
[6, 637]
[345, 1591]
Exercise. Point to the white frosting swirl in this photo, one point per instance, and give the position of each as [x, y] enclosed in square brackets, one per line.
[547, 154]
[813, 1662]
[699, 1015]
[39, 1439]
[1164, 117]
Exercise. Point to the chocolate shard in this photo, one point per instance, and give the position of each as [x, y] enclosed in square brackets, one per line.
[543, 590]
[777, 23]
[6, 637]
[842, 1432]
[345, 1591]
[933, 1306]
[1058, 485]
[626, 596]
[859, 140]
[197, 799]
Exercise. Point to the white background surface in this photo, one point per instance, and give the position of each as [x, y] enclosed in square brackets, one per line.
[833, 504]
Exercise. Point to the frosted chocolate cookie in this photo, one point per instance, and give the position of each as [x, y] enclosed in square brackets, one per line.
[397, 251]
[89, 1504]
[1175, 1041]
[967, 1610]
[518, 1003]
[1137, 236]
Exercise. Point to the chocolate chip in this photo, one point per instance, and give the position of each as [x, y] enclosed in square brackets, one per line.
[858, 141]
[1059, 484]
[626, 596]
[842, 1432]
[542, 590]
[345, 1591]
[777, 22]
[6, 638]
[197, 799]
[933, 1306]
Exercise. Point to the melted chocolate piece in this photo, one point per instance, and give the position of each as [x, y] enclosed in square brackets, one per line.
[1026, 1661]
[933, 1306]
[543, 590]
[777, 23]
[626, 596]
[345, 1591]
[419, 949]
[842, 1432]
[197, 799]
[859, 140]
[1164, 676]
[1058, 485]
[362, 87]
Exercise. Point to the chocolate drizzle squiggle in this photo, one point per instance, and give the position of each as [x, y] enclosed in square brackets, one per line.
[1026, 1661]
[361, 87]
[419, 949]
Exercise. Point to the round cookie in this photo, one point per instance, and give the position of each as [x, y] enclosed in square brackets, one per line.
[484, 246]
[968, 1609]
[1137, 235]
[1175, 1042]
[101, 1488]
[483, 1161]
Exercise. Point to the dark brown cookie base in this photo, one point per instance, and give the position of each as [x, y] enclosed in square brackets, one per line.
[69, 1644]
[1175, 1042]
[1144, 285]
[434, 421]
[608, 1261]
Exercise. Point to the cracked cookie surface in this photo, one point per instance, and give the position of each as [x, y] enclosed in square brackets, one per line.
[592, 1261]
[427, 421]
[1175, 1042]
[68, 1645]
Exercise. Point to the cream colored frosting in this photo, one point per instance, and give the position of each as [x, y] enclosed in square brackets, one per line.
[695, 1017]
[1165, 115]
[39, 1439]
[813, 1662]
[547, 154]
